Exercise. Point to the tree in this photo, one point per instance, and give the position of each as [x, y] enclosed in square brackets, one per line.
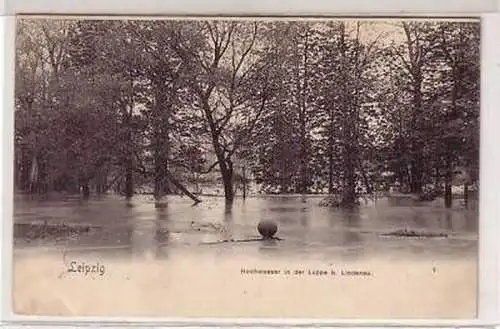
[105, 54]
[347, 66]
[41, 46]
[458, 47]
[223, 75]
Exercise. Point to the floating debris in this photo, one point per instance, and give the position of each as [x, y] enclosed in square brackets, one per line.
[411, 233]
[242, 240]
[37, 231]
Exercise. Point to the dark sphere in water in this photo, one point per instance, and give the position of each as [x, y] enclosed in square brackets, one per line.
[267, 228]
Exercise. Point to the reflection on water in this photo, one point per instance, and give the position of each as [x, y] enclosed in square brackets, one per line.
[143, 229]
[267, 247]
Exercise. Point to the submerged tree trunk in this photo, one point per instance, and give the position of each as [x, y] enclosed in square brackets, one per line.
[244, 178]
[161, 113]
[226, 168]
[437, 178]
[448, 198]
[349, 197]
[160, 166]
[466, 195]
[369, 188]
[415, 64]
[84, 186]
[416, 175]
[129, 156]
[101, 181]
[24, 175]
[33, 176]
[330, 175]
[303, 180]
[86, 190]
[129, 183]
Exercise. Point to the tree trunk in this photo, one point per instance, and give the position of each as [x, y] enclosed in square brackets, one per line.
[161, 113]
[104, 182]
[302, 85]
[84, 186]
[466, 195]
[417, 161]
[303, 182]
[34, 175]
[228, 189]
[129, 183]
[244, 183]
[448, 200]
[182, 188]
[330, 154]
[160, 166]
[416, 74]
[349, 197]
[226, 169]
[25, 170]
[437, 179]
[401, 176]
[330, 174]
[86, 190]
[416, 175]
[101, 181]
[369, 189]
[349, 187]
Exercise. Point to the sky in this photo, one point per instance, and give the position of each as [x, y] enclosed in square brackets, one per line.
[372, 27]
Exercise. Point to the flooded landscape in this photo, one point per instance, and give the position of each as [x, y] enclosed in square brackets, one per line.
[138, 227]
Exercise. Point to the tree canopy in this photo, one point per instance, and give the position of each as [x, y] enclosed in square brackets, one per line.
[343, 107]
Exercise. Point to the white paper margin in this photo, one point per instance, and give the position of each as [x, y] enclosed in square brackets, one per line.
[246, 7]
[489, 232]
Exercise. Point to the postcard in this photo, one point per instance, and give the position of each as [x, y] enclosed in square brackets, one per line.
[246, 167]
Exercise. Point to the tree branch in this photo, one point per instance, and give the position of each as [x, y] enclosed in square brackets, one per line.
[210, 168]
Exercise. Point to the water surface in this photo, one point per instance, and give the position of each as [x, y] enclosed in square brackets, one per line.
[308, 230]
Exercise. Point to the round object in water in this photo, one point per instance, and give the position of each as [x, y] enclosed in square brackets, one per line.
[267, 228]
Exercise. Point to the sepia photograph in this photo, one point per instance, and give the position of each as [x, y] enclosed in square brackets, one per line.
[184, 167]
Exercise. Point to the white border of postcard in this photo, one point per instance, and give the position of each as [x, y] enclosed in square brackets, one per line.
[489, 232]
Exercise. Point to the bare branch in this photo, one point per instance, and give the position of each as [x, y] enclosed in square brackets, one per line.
[244, 55]
[214, 37]
[209, 168]
[251, 126]
[229, 38]
[406, 64]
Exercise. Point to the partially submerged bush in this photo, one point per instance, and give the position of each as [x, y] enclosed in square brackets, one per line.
[335, 201]
[428, 194]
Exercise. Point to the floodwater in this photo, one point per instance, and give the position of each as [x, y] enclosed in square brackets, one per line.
[182, 243]
[138, 227]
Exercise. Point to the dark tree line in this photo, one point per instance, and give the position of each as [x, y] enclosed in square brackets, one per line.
[342, 107]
